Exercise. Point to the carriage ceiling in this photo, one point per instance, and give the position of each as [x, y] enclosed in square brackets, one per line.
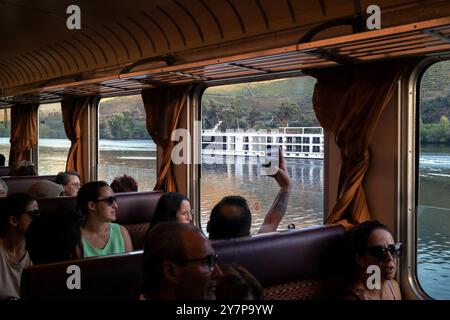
[124, 46]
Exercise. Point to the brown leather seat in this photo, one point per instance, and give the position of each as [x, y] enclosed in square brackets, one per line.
[4, 171]
[135, 211]
[292, 265]
[295, 264]
[103, 278]
[22, 184]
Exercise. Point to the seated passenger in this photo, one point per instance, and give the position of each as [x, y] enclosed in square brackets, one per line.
[3, 188]
[179, 263]
[70, 181]
[172, 206]
[17, 212]
[2, 160]
[238, 284]
[231, 217]
[124, 184]
[45, 189]
[372, 245]
[100, 236]
[22, 168]
[53, 237]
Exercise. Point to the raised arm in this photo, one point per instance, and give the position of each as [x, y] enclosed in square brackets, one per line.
[279, 205]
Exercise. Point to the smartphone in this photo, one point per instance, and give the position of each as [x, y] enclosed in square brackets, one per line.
[270, 165]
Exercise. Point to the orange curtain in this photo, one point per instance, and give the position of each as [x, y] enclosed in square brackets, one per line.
[163, 108]
[348, 102]
[73, 111]
[23, 131]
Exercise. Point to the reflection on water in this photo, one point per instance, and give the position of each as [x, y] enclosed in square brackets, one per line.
[244, 178]
[137, 158]
[433, 222]
[433, 252]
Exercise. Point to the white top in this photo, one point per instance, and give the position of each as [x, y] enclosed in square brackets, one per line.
[10, 273]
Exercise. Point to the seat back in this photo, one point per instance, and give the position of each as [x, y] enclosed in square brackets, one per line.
[135, 211]
[103, 278]
[295, 264]
[4, 171]
[22, 184]
[292, 265]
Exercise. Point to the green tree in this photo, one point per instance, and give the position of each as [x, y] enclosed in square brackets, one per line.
[235, 106]
[286, 112]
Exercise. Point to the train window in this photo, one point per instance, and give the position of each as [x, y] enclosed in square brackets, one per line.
[433, 207]
[53, 143]
[5, 132]
[277, 110]
[125, 147]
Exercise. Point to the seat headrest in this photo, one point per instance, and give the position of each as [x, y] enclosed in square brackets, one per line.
[287, 256]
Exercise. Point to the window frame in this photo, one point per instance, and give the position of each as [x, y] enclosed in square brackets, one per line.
[408, 175]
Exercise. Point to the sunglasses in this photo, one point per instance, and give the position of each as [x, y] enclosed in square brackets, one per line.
[381, 253]
[109, 200]
[33, 213]
[209, 261]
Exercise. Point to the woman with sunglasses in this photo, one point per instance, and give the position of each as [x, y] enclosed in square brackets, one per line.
[101, 237]
[373, 248]
[17, 211]
[172, 206]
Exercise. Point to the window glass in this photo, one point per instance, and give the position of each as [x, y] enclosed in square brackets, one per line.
[5, 129]
[433, 210]
[277, 111]
[53, 143]
[125, 147]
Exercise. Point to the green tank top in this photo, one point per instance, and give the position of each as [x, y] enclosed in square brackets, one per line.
[114, 245]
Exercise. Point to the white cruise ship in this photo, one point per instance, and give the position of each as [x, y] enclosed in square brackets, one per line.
[297, 142]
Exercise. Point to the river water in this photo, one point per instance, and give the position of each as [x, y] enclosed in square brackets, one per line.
[243, 177]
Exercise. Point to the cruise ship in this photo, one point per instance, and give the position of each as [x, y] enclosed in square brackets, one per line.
[297, 142]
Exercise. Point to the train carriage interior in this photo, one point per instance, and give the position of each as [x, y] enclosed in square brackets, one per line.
[193, 96]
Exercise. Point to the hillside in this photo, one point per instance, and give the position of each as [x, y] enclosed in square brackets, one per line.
[266, 104]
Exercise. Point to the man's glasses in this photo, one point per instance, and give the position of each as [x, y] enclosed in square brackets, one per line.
[76, 185]
[32, 213]
[209, 261]
[109, 200]
[380, 252]
[186, 213]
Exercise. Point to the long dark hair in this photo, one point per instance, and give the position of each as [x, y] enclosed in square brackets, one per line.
[356, 243]
[89, 192]
[167, 207]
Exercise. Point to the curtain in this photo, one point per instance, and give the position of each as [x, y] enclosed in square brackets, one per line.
[23, 131]
[348, 102]
[73, 111]
[163, 107]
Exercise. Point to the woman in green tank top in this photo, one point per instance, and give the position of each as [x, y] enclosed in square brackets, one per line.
[101, 237]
